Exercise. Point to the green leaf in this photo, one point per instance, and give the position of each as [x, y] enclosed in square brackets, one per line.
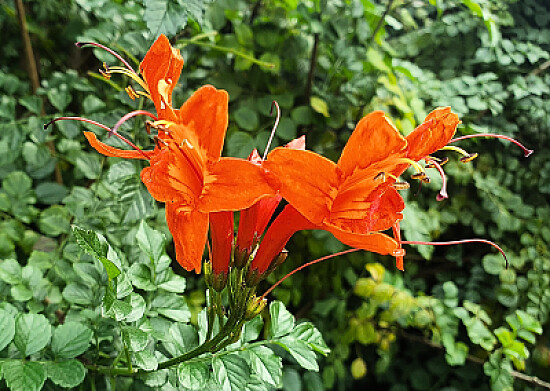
[231, 372]
[77, 294]
[300, 351]
[7, 325]
[89, 164]
[97, 247]
[175, 283]
[150, 241]
[134, 338]
[59, 97]
[32, 333]
[529, 322]
[194, 375]
[50, 192]
[20, 292]
[282, 321]
[16, 184]
[66, 374]
[71, 339]
[138, 306]
[247, 118]
[182, 338]
[141, 277]
[266, 364]
[10, 272]
[55, 221]
[319, 105]
[163, 17]
[33, 103]
[146, 360]
[307, 332]
[23, 375]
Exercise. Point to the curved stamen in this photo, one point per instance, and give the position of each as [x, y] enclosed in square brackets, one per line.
[456, 149]
[451, 242]
[526, 152]
[132, 75]
[443, 191]
[274, 103]
[118, 56]
[92, 122]
[351, 250]
[127, 117]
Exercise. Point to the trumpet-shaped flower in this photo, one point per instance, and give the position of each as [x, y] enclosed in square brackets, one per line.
[356, 198]
[186, 171]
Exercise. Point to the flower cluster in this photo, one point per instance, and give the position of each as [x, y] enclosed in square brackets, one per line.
[355, 199]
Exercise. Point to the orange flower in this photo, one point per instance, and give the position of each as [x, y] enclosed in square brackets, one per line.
[186, 170]
[356, 198]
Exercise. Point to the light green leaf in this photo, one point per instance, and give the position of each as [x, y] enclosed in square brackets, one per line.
[16, 184]
[146, 360]
[150, 241]
[182, 338]
[20, 292]
[141, 277]
[307, 332]
[66, 374]
[193, 376]
[71, 339]
[32, 333]
[10, 272]
[59, 97]
[77, 294]
[231, 372]
[175, 283]
[266, 364]
[319, 105]
[282, 321]
[138, 306]
[23, 375]
[7, 325]
[89, 164]
[301, 352]
[135, 339]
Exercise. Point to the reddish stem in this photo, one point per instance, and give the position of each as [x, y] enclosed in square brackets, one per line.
[526, 152]
[118, 56]
[451, 242]
[351, 250]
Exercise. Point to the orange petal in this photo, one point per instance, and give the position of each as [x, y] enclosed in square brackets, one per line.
[433, 134]
[107, 150]
[308, 181]
[161, 70]
[374, 139]
[189, 230]
[221, 234]
[375, 242]
[234, 184]
[203, 121]
[171, 178]
[360, 213]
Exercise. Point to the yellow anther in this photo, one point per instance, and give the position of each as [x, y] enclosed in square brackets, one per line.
[401, 185]
[469, 158]
[437, 160]
[380, 176]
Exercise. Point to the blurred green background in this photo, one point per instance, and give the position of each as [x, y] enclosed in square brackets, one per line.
[456, 319]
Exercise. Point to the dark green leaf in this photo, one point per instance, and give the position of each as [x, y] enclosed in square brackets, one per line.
[54, 221]
[95, 245]
[50, 192]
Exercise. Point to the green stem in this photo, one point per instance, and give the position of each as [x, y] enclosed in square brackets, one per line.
[228, 50]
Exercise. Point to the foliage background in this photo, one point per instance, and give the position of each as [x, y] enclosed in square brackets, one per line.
[456, 319]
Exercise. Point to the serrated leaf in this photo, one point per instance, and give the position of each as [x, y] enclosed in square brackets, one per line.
[77, 294]
[193, 376]
[16, 184]
[10, 272]
[7, 325]
[138, 306]
[23, 375]
[71, 339]
[175, 283]
[182, 338]
[301, 352]
[146, 360]
[266, 364]
[32, 333]
[282, 321]
[164, 17]
[150, 241]
[231, 372]
[135, 339]
[307, 332]
[141, 277]
[66, 374]
[50, 192]
[96, 246]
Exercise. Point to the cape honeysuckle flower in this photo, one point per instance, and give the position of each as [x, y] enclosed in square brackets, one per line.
[186, 169]
[356, 199]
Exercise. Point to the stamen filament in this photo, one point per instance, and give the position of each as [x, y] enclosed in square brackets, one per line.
[456, 149]
[443, 191]
[273, 103]
[416, 166]
[128, 116]
[526, 152]
[118, 56]
[451, 242]
[351, 250]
